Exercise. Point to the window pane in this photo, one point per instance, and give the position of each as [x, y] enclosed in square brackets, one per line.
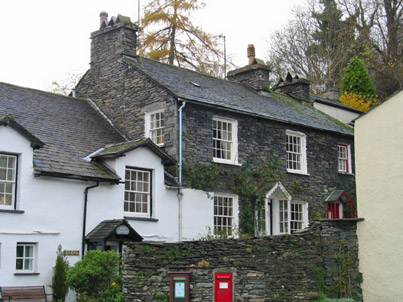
[28, 264]
[28, 251]
[3, 161]
[11, 162]
[20, 251]
[19, 263]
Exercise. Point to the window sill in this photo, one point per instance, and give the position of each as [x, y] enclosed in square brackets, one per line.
[298, 172]
[346, 173]
[26, 274]
[12, 211]
[149, 219]
[226, 162]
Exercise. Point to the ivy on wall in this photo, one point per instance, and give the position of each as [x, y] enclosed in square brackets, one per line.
[250, 182]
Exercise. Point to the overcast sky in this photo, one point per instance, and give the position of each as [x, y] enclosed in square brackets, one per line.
[45, 40]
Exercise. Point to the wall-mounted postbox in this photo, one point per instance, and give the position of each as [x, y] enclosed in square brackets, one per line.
[179, 286]
[223, 287]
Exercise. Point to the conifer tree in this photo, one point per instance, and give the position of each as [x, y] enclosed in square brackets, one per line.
[358, 91]
[60, 287]
[168, 35]
[356, 79]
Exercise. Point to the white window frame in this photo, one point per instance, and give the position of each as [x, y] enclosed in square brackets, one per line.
[9, 184]
[299, 155]
[286, 220]
[232, 142]
[32, 258]
[297, 216]
[150, 129]
[134, 195]
[225, 213]
[283, 216]
[344, 159]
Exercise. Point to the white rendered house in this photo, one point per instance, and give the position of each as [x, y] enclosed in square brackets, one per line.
[379, 168]
[67, 177]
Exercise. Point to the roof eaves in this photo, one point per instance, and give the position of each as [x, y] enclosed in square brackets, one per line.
[39, 172]
[8, 120]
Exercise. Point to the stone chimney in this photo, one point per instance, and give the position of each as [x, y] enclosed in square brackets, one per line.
[256, 74]
[251, 54]
[296, 86]
[115, 37]
[103, 16]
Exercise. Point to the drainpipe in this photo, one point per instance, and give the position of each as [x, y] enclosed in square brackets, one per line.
[180, 193]
[85, 216]
[180, 142]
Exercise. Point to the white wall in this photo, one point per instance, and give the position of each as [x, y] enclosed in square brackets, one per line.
[53, 210]
[379, 179]
[342, 115]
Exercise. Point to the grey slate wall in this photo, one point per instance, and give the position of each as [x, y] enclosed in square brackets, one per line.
[257, 138]
[274, 268]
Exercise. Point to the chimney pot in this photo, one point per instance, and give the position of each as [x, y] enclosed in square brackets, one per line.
[103, 16]
[251, 54]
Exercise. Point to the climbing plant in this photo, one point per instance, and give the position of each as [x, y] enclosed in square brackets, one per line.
[250, 182]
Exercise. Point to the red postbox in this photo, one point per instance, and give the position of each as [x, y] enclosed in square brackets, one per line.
[223, 287]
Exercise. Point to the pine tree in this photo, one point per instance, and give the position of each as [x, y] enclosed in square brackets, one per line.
[60, 287]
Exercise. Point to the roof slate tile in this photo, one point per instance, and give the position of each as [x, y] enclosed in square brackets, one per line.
[69, 128]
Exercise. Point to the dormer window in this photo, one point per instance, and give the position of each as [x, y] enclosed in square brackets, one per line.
[154, 127]
[8, 173]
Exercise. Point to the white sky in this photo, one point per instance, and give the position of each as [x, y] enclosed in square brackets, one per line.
[45, 40]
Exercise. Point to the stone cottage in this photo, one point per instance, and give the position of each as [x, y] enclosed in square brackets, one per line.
[233, 124]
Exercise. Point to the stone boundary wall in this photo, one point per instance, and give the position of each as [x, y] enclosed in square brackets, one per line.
[298, 267]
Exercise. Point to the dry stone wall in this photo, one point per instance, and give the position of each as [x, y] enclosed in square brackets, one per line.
[298, 267]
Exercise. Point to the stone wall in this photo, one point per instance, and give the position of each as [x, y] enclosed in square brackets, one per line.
[259, 139]
[323, 258]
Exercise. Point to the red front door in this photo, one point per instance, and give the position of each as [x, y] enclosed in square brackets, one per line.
[223, 287]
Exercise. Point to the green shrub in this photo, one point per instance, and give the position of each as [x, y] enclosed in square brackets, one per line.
[356, 79]
[60, 288]
[97, 277]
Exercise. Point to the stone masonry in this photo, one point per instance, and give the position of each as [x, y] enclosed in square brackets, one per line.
[298, 267]
[124, 94]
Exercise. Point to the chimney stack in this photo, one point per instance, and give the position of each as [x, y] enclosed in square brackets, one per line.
[103, 16]
[256, 74]
[251, 54]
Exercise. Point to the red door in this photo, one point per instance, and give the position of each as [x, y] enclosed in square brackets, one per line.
[223, 287]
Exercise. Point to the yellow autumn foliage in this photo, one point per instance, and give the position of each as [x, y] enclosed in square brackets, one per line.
[357, 101]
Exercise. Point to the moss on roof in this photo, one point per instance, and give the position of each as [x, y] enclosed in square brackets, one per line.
[119, 148]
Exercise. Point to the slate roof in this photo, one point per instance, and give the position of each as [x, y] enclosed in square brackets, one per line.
[116, 150]
[69, 128]
[207, 90]
[106, 229]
